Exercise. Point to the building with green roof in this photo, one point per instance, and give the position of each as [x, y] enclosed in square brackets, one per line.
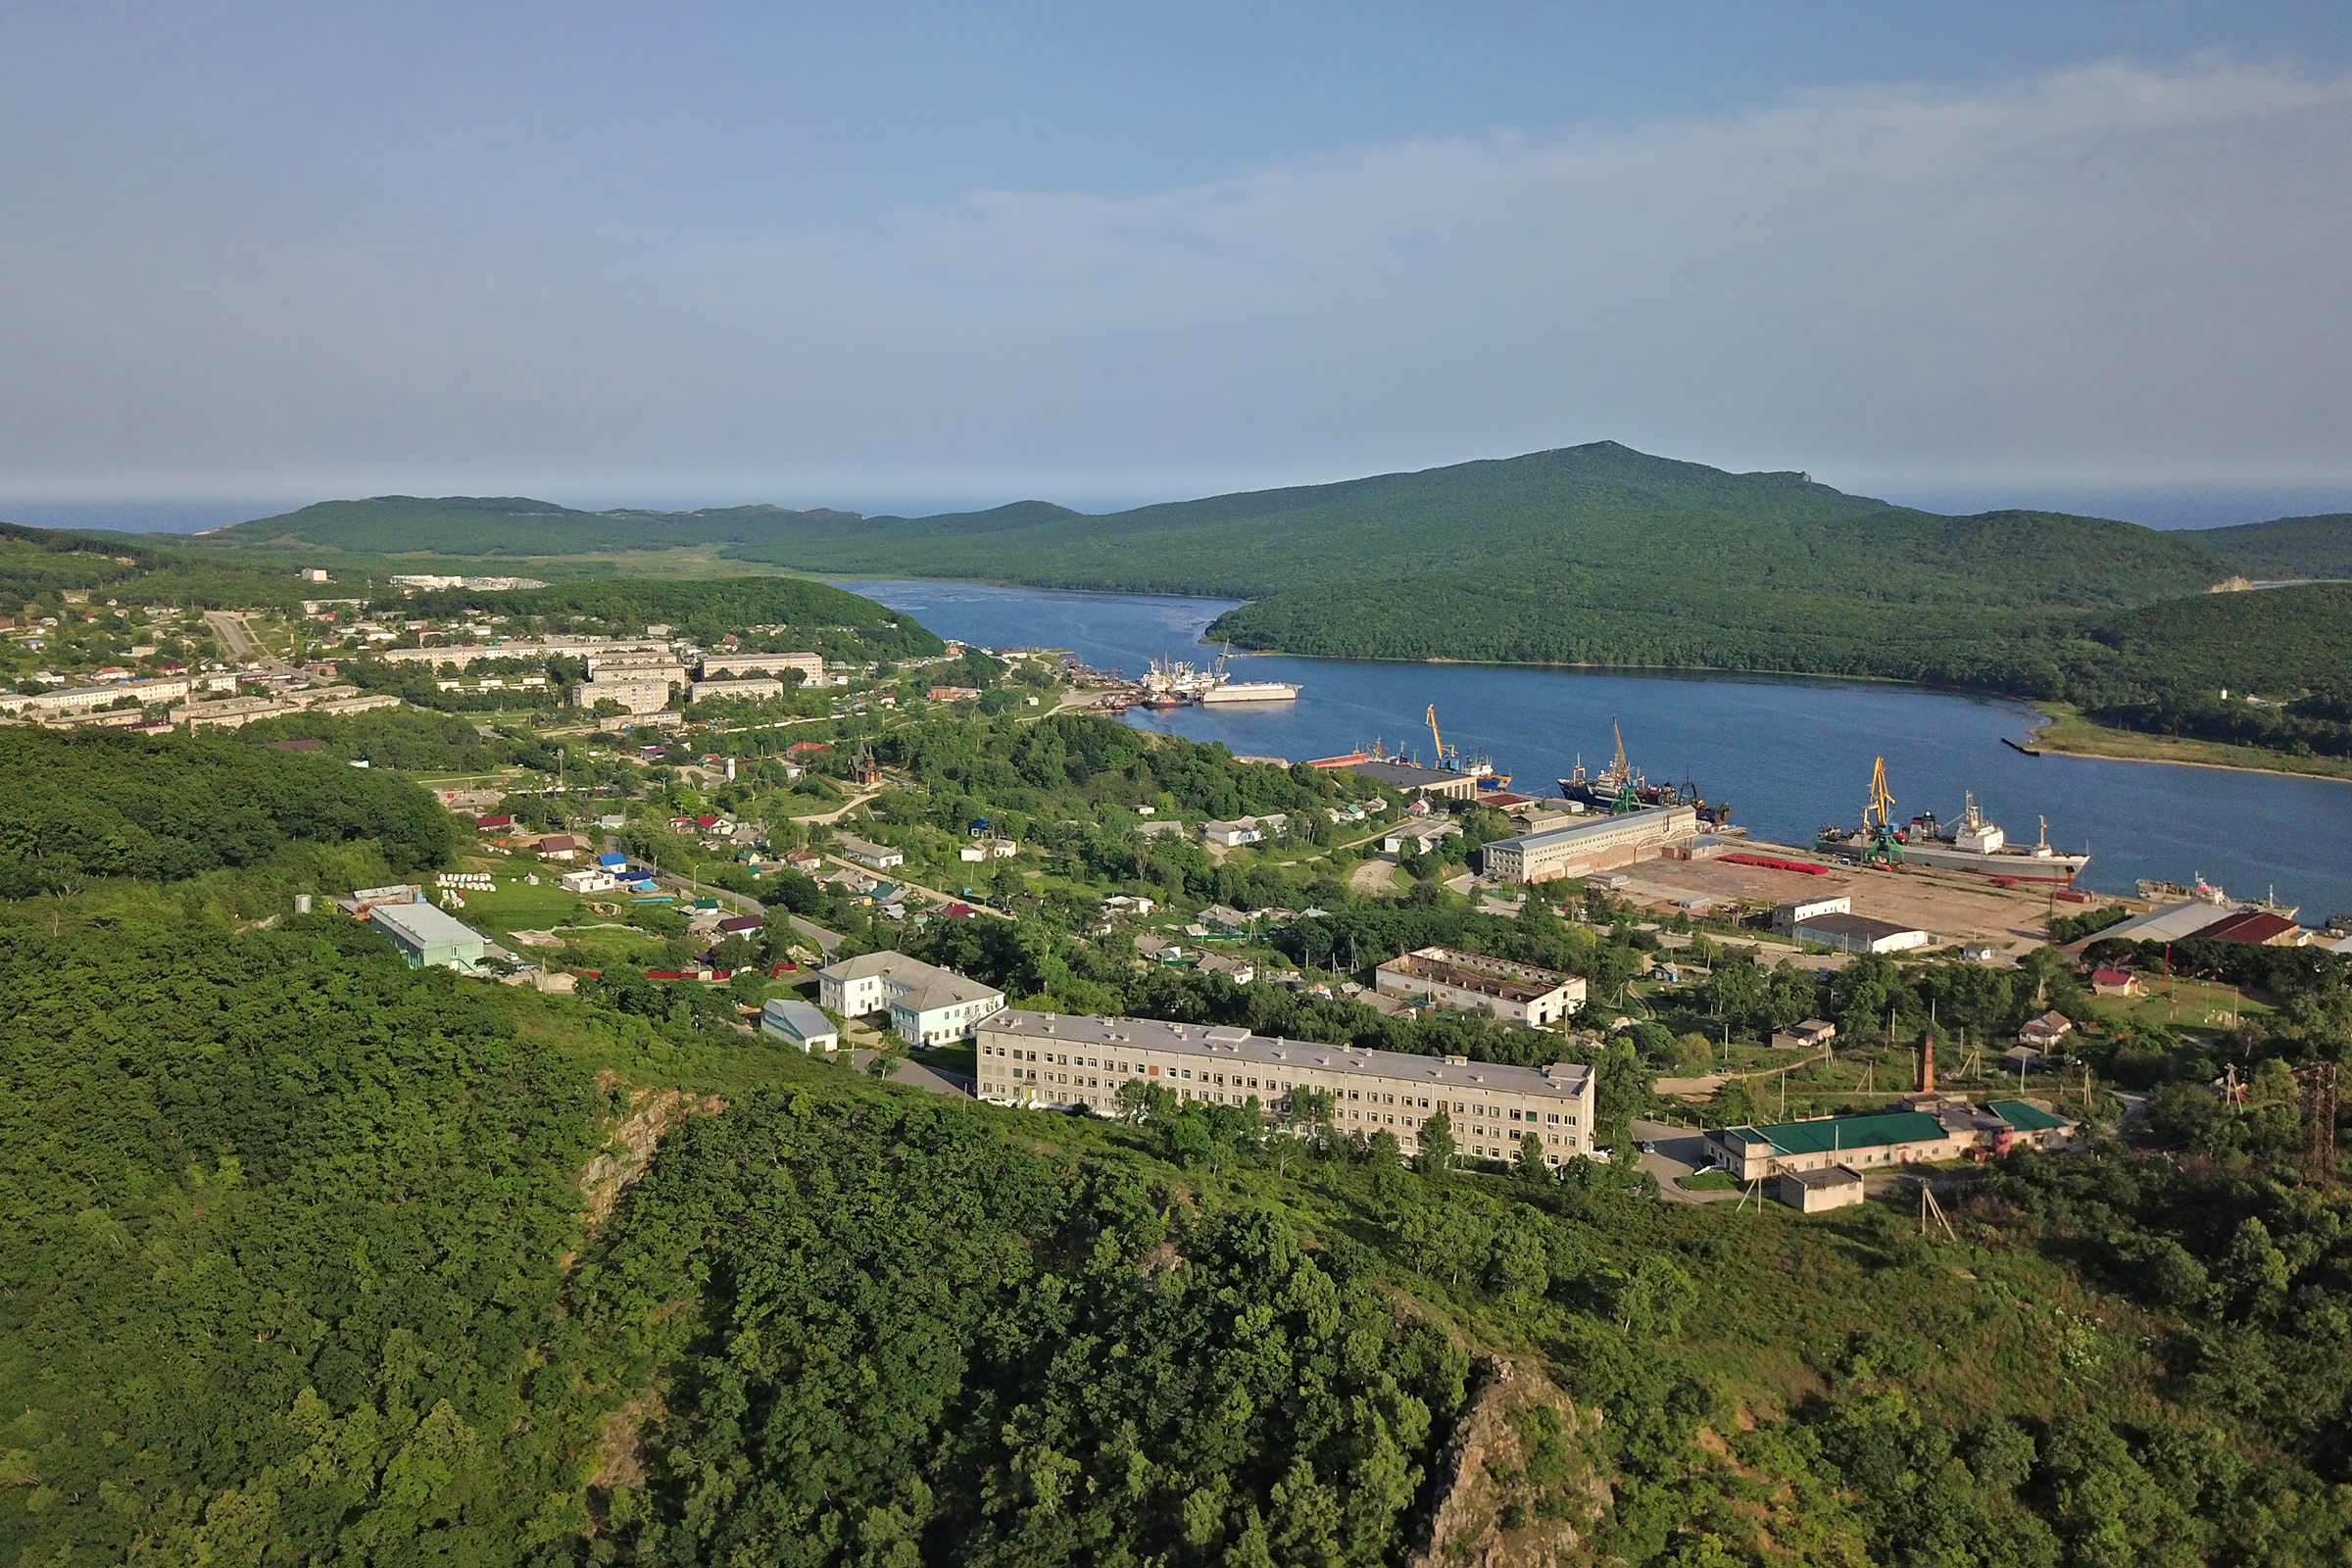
[1931, 1128]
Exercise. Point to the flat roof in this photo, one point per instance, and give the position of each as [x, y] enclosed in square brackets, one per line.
[1830, 1176]
[1854, 925]
[1830, 1133]
[1563, 1080]
[1592, 825]
[423, 923]
[1406, 773]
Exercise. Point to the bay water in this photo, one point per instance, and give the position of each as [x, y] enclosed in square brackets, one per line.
[1790, 753]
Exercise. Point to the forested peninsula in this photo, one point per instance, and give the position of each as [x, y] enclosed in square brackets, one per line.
[1595, 556]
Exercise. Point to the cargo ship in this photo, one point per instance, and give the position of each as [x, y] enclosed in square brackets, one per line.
[1172, 683]
[1619, 787]
[1229, 690]
[1971, 843]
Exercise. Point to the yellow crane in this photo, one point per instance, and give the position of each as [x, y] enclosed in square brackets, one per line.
[1445, 759]
[1878, 820]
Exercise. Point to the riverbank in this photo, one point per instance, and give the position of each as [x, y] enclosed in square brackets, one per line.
[2065, 733]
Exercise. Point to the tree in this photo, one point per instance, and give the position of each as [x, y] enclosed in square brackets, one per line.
[1311, 1109]
[1141, 1102]
[1531, 1158]
[1437, 1146]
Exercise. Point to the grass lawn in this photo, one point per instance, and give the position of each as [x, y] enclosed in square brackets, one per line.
[1708, 1181]
[2181, 1004]
[2068, 731]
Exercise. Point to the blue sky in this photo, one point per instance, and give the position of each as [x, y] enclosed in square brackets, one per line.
[921, 255]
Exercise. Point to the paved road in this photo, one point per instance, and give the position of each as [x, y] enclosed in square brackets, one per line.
[1680, 1152]
[929, 893]
[230, 628]
[914, 1075]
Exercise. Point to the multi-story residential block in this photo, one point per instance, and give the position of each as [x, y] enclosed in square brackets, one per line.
[1053, 1062]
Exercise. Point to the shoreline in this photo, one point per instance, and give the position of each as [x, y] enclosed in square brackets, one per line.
[2050, 722]
[2037, 734]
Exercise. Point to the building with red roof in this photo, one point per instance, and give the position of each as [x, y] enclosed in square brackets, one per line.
[2255, 928]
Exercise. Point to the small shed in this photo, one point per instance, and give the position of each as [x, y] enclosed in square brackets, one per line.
[1810, 1035]
[1811, 1192]
[2116, 983]
[797, 1023]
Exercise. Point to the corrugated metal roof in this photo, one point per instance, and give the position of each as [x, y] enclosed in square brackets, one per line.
[423, 923]
[2024, 1117]
[1831, 1134]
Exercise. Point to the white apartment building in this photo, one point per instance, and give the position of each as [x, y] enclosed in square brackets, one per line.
[1048, 1061]
[1519, 993]
[927, 1005]
[595, 649]
[716, 665]
[633, 694]
[84, 698]
[739, 691]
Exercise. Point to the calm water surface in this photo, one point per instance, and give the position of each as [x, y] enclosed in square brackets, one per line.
[1790, 753]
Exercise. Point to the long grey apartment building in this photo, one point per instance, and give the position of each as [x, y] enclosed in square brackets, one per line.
[1050, 1062]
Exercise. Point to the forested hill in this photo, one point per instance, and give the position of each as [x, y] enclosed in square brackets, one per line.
[2285, 549]
[502, 525]
[1600, 509]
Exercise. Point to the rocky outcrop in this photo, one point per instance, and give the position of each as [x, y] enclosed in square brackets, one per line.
[1521, 1483]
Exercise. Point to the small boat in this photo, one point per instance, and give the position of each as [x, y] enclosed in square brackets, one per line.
[2028, 751]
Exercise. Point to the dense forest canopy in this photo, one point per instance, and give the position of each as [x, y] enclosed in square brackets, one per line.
[77, 806]
[307, 1257]
[707, 609]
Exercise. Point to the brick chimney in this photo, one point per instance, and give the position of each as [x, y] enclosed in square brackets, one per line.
[1926, 1065]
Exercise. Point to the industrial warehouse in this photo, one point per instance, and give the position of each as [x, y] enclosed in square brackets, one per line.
[1053, 1062]
[1579, 848]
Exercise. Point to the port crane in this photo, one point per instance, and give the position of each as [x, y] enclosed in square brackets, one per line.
[1444, 758]
[1877, 821]
[1628, 792]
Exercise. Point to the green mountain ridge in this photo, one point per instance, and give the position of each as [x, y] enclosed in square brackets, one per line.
[1601, 506]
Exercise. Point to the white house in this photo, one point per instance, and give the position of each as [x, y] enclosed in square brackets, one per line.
[927, 1005]
[1420, 838]
[948, 1007]
[596, 881]
[881, 857]
[1246, 830]
[990, 850]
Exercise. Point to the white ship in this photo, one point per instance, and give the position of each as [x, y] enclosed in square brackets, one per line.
[1228, 690]
[1173, 684]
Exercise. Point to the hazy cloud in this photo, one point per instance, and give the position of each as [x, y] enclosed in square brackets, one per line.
[2111, 274]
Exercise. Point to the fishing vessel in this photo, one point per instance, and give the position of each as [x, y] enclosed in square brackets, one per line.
[1172, 683]
[1971, 843]
[1620, 787]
